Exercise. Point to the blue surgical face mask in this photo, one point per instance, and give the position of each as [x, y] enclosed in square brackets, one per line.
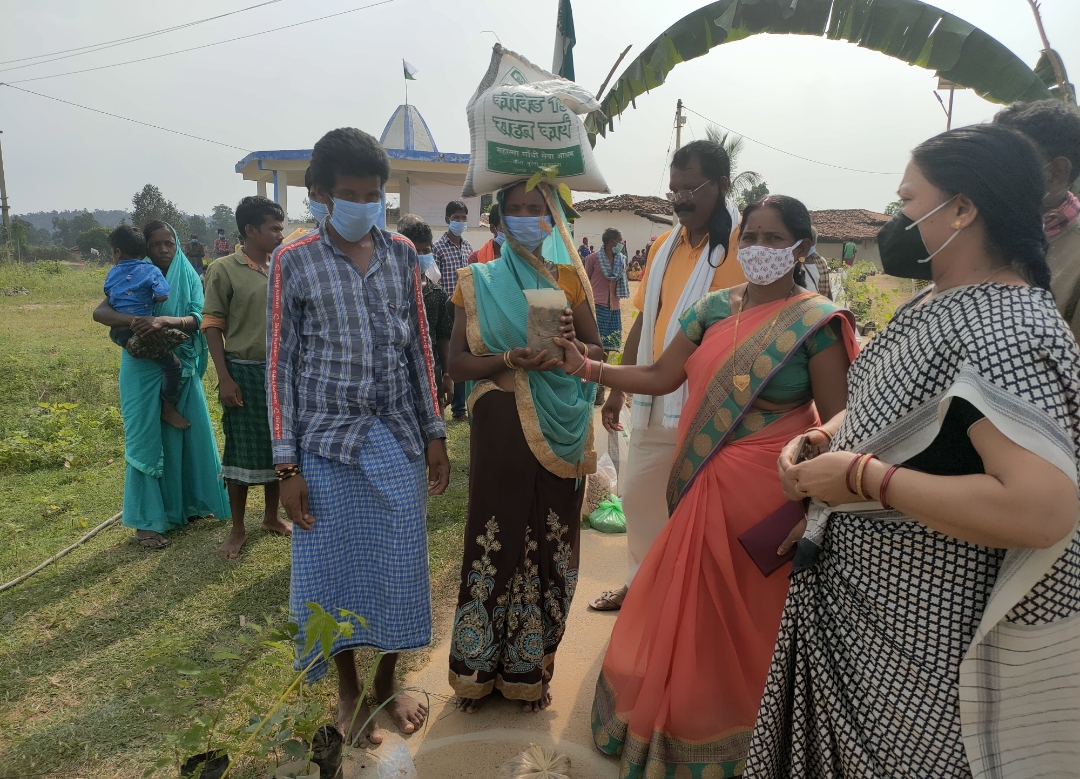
[426, 261]
[813, 249]
[457, 228]
[500, 238]
[354, 220]
[527, 230]
[319, 212]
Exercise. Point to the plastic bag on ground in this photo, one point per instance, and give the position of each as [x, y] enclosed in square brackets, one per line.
[395, 762]
[536, 763]
[609, 517]
[523, 118]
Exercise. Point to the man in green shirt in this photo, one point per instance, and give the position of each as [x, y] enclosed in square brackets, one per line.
[234, 320]
[850, 249]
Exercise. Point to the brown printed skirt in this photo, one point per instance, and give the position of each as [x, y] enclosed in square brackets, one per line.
[520, 564]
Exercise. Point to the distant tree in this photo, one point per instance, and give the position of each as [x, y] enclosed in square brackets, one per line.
[753, 194]
[68, 230]
[742, 182]
[23, 233]
[149, 204]
[94, 238]
[223, 218]
[893, 207]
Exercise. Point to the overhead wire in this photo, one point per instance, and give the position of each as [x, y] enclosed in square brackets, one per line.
[126, 118]
[788, 153]
[91, 48]
[203, 46]
[667, 156]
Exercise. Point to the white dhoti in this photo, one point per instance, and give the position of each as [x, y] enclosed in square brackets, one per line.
[648, 468]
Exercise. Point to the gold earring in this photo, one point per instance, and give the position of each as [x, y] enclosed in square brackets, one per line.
[957, 224]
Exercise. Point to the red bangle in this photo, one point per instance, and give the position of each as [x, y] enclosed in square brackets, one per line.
[850, 470]
[883, 489]
[588, 371]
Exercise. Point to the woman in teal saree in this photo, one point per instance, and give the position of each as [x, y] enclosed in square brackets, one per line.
[172, 474]
[531, 447]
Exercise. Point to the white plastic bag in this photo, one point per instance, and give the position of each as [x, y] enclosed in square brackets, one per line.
[536, 763]
[619, 449]
[523, 118]
[397, 763]
[606, 473]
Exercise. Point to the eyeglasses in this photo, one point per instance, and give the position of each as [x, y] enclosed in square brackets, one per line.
[684, 194]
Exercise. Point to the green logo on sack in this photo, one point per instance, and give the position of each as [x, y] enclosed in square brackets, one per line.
[522, 161]
[516, 75]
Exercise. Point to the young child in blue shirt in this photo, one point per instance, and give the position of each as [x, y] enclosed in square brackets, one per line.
[133, 286]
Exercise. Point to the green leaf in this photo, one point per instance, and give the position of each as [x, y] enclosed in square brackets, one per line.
[910, 30]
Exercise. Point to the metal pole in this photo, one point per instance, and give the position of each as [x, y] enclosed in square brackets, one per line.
[679, 122]
[948, 124]
[3, 199]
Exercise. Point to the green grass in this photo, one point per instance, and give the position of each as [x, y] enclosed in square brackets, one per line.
[76, 640]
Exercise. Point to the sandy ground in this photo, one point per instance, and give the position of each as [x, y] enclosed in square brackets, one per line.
[456, 745]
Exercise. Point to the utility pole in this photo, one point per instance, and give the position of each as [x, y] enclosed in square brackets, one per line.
[4, 201]
[948, 124]
[680, 120]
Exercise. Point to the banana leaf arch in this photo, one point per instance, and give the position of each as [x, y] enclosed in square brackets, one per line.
[909, 30]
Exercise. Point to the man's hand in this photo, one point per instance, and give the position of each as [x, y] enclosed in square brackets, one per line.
[438, 467]
[294, 497]
[613, 407]
[447, 394]
[229, 392]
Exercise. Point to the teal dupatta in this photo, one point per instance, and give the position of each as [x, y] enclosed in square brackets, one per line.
[555, 409]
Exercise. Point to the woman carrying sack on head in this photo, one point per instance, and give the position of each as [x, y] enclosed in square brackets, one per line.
[531, 448]
[689, 654]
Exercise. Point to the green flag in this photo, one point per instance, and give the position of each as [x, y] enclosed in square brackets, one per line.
[564, 42]
[410, 71]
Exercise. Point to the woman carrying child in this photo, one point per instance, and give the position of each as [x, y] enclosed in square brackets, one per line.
[172, 473]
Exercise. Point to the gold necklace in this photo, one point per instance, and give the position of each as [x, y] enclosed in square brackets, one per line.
[742, 380]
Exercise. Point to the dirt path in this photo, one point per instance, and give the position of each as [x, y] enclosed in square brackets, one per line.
[456, 745]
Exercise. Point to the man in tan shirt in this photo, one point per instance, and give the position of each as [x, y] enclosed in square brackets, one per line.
[705, 237]
[1054, 127]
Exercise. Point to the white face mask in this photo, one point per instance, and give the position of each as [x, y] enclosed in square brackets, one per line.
[764, 265]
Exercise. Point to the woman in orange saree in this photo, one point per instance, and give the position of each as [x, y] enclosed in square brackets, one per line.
[689, 654]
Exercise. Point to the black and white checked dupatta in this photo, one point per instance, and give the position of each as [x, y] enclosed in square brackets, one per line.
[902, 651]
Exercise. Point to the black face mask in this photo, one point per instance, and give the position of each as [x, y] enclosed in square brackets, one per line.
[902, 249]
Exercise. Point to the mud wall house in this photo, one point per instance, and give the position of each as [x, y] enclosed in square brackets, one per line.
[838, 226]
[639, 218]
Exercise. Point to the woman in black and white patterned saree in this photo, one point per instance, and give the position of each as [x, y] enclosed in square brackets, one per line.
[932, 627]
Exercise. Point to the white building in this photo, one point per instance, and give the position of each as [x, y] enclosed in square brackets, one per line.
[640, 219]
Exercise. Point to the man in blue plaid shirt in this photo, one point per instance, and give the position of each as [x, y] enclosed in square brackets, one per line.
[452, 254]
[354, 419]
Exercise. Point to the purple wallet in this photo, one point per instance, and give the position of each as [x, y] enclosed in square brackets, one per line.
[763, 539]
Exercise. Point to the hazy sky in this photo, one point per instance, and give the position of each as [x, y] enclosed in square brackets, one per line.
[826, 100]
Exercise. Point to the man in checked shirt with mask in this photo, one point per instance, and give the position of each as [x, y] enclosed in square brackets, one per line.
[355, 420]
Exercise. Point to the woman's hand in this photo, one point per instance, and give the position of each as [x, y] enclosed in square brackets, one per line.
[523, 359]
[573, 359]
[566, 329]
[145, 325]
[820, 445]
[824, 478]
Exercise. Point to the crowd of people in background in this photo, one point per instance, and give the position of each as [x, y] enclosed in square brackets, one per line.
[839, 562]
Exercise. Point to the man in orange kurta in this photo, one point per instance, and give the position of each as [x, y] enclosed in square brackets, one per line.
[699, 182]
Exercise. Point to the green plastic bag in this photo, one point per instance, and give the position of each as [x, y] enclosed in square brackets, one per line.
[609, 517]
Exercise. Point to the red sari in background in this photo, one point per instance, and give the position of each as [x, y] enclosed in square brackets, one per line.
[686, 666]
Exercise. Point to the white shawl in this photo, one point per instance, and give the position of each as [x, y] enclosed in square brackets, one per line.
[696, 288]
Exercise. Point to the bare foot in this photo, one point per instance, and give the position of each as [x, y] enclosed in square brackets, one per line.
[407, 712]
[469, 705]
[232, 545]
[173, 417]
[351, 719]
[273, 524]
[540, 705]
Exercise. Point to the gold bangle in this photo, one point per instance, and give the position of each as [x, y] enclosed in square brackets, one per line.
[600, 378]
[866, 458]
[507, 361]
